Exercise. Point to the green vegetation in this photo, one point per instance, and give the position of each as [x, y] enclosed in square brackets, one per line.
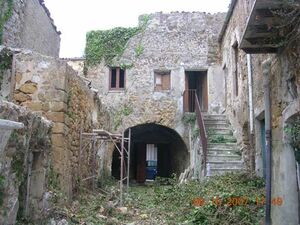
[6, 11]
[126, 110]
[109, 44]
[167, 202]
[5, 62]
[17, 165]
[2, 183]
[293, 130]
[218, 139]
[189, 118]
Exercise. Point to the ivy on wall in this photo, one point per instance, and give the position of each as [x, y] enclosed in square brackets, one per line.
[5, 63]
[293, 130]
[108, 44]
[6, 11]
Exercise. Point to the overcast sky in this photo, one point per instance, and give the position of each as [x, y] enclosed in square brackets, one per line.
[75, 17]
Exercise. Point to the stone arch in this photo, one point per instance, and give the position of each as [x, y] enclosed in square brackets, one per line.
[172, 152]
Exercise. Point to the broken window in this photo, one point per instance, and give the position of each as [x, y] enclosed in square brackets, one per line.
[117, 79]
[235, 69]
[162, 80]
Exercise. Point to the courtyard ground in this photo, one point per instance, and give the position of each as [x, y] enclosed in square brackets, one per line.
[235, 199]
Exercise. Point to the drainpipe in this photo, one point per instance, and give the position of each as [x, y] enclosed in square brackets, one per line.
[251, 110]
[266, 73]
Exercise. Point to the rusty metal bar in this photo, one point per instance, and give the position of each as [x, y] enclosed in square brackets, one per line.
[128, 158]
[203, 134]
[122, 171]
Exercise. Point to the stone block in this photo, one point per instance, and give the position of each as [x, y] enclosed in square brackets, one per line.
[59, 128]
[58, 106]
[56, 116]
[34, 106]
[21, 97]
[29, 87]
[58, 140]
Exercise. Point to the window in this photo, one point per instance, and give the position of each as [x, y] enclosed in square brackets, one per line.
[162, 80]
[117, 79]
[235, 69]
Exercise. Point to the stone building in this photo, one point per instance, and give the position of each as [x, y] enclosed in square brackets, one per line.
[151, 88]
[271, 65]
[27, 24]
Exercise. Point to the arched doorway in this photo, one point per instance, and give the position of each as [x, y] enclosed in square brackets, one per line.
[156, 150]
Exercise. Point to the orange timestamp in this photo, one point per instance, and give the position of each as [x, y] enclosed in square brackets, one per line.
[235, 201]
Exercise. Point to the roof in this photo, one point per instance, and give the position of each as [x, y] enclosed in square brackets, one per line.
[271, 25]
[42, 3]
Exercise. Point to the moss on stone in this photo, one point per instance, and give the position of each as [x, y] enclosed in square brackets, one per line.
[6, 11]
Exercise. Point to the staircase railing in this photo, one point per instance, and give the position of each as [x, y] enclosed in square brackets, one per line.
[203, 134]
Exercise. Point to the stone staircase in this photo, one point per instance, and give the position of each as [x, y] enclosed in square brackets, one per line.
[223, 152]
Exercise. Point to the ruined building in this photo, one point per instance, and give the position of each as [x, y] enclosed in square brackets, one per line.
[189, 89]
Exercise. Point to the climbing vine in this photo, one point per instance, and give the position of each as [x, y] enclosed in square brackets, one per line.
[5, 63]
[6, 10]
[109, 44]
[293, 130]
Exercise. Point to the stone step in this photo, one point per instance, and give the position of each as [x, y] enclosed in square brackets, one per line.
[224, 131]
[209, 126]
[214, 117]
[229, 152]
[214, 172]
[225, 165]
[212, 121]
[223, 157]
[220, 139]
[221, 146]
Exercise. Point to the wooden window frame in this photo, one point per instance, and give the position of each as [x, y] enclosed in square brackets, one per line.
[117, 88]
[159, 87]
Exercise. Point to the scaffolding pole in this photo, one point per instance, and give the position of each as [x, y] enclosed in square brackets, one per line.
[105, 136]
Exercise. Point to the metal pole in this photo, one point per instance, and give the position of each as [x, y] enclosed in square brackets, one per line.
[94, 164]
[122, 171]
[266, 73]
[128, 158]
[251, 111]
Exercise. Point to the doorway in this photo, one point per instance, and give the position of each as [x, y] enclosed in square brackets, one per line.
[195, 85]
[156, 151]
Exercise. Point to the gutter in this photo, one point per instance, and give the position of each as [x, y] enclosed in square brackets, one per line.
[227, 19]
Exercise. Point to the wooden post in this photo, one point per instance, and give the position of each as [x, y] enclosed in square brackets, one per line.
[128, 158]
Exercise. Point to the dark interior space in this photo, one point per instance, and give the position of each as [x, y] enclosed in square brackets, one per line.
[171, 153]
[196, 83]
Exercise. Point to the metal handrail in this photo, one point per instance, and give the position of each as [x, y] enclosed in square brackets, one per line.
[203, 134]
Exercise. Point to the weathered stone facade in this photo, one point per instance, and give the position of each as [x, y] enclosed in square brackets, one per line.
[25, 166]
[284, 86]
[49, 86]
[175, 42]
[30, 27]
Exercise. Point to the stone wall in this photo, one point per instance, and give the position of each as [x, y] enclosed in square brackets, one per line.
[175, 42]
[49, 86]
[31, 27]
[285, 89]
[24, 166]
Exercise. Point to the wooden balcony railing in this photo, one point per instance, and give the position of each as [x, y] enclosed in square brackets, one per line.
[189, 100]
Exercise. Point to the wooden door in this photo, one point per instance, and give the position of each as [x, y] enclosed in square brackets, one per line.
[141, 163]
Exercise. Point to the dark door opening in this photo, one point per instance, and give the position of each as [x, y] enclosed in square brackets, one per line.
[195, 84]
[146, 163]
